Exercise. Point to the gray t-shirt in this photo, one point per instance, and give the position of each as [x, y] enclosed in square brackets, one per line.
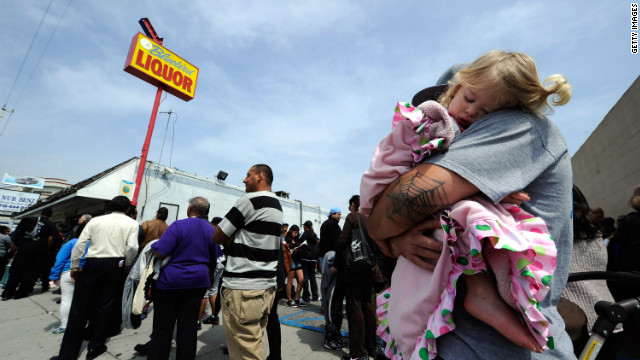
[5, 244]
[503, 152]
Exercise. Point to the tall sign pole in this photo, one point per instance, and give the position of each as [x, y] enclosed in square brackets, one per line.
[151, 62]
[151, 32]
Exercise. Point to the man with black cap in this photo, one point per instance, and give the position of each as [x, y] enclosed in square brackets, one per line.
[309, 248]
[33, 238]
[488, 158]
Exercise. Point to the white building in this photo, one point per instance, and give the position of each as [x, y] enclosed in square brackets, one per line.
[161, 186]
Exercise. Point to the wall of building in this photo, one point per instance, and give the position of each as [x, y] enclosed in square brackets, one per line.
[173, 188]
[607, 166]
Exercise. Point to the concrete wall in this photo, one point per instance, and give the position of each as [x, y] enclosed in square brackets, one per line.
[607, 166]
[174, 188]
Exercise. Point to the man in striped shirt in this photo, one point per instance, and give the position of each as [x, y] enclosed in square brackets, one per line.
[250, 233]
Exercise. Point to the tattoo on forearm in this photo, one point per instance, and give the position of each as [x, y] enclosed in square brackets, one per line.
[415, 198]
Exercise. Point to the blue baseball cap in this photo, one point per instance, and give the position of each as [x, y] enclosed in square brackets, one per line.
[334, 210]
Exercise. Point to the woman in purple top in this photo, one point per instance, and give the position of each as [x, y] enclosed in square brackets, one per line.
[183, 281]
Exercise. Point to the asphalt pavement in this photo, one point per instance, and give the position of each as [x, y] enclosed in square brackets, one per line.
[26, 325]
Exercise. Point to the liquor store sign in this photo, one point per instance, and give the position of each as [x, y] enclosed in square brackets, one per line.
[156, 65]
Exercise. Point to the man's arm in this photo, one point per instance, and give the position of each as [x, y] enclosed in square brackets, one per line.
[219, 237]
[81, 245]
[414, 196]
[131, 245]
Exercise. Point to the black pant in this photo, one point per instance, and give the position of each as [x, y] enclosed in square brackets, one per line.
[332, 329]
[309, 271]
[94, 295]
[361, 316]
[47, 264]
[273, 331]
[171, 306]
[23, 273]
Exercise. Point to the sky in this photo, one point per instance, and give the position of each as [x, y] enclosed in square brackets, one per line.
[308, 87]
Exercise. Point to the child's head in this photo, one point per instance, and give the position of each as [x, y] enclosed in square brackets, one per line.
[499, 80]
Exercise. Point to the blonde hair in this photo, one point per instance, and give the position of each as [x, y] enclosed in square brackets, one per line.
[634, 202]
[515, 77]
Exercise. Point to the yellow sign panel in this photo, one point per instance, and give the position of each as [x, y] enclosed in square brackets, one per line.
[156, 65]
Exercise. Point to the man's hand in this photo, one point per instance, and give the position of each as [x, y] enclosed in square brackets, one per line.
[420, 249]
[516, 198]
[74, 273]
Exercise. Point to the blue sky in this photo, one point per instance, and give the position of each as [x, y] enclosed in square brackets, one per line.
[308, 87]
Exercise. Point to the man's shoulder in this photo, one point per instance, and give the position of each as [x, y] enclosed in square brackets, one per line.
[264, 199]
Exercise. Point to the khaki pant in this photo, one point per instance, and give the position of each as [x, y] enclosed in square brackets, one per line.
[245, 314]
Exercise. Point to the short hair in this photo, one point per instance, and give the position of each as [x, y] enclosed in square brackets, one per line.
[200, 206]
[266, 171]
[216, 220]
[515, 77]
[3, 229]
[163, 213]
[119, 203]
[355, 199]
[86, 217]
[131, 211]
[46, 212]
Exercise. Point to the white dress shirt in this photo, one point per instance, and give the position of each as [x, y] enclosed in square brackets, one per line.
[111, 235]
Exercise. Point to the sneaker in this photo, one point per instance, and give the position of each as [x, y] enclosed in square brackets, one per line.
[59, 330]
[208, 320]
[292, 303]
[199, 326]
[216, 321]
[333, 345]
[301, 303]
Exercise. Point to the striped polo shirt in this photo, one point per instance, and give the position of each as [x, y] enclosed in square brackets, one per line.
[252, 257]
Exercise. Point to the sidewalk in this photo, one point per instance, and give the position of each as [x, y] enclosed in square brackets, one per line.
[27, 324]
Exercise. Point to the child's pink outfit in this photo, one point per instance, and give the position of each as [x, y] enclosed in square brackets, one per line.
[518, 248]
[421, 131]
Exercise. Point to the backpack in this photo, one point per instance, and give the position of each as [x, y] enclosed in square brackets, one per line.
[34, 234]
[359, 256]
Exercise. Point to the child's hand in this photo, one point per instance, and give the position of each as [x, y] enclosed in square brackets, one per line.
[417, 247]
[516, 198]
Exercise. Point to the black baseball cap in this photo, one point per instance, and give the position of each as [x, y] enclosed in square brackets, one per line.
[434, 92]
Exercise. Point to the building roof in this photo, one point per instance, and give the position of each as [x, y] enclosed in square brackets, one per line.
[43, 202]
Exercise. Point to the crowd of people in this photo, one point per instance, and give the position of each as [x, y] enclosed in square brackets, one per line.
[468, 205]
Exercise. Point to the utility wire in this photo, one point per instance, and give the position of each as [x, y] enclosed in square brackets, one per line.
[173, 133]
[165, 133]
[34, 68]
[28, 51]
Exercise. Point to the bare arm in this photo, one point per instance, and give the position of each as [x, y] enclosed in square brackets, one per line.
[413, 197]
[219, 237]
